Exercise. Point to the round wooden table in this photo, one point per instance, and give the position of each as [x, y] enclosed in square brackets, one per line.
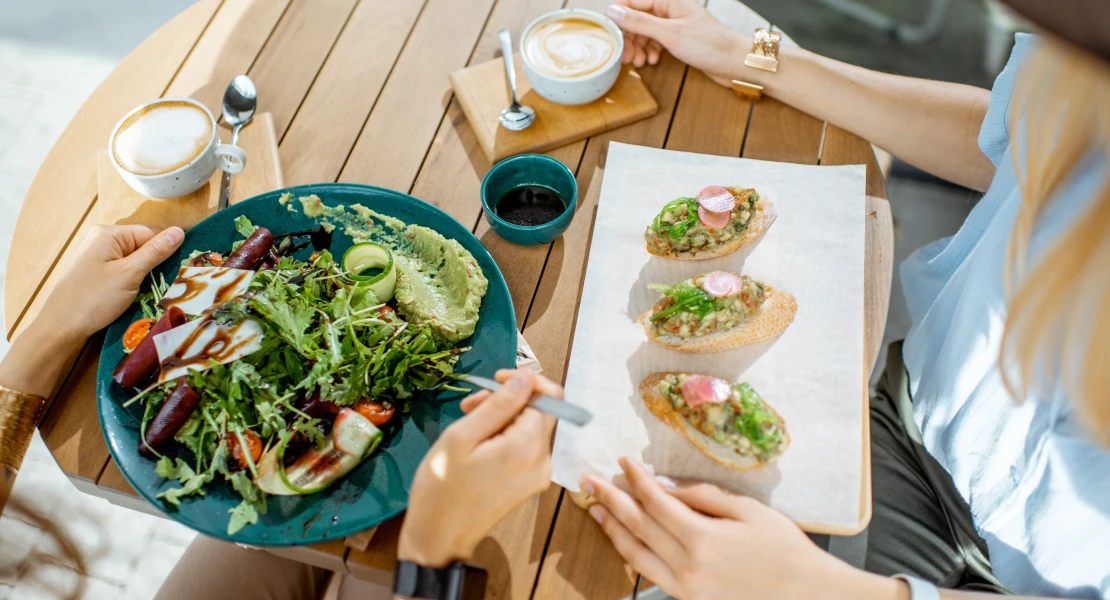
[359, 92]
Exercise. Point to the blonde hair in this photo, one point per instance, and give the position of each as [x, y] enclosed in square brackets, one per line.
[1058, 327]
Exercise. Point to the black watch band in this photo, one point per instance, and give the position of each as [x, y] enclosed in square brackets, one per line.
[456, 581]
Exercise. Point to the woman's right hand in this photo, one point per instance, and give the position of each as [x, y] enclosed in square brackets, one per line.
[686, 29]
[481, 468]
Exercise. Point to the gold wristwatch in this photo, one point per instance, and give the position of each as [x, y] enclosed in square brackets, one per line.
[765, 56]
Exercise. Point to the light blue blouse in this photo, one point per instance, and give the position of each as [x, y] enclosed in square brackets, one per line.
[1038, 486]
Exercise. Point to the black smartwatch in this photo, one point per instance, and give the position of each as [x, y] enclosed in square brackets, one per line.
[456, 581]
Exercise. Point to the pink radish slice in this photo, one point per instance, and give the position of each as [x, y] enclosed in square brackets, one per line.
[699, 389]
[716, 199]
[721, 283]
[713, 220]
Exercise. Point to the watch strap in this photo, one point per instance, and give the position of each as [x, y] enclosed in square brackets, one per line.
[456, 581]
[919, 588]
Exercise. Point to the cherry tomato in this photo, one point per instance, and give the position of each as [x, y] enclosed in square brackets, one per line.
[254, 443]
[386, 312]
[136, 332]
[378, 413]
[212, 258]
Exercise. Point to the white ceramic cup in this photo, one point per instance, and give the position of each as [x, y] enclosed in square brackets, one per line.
[194, 174]
[574, 90]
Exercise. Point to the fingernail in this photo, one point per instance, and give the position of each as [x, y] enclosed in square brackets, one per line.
[595, 512]
[174, 235]
[666, 482]
[588, 487]
[521, 380]
[617, 13]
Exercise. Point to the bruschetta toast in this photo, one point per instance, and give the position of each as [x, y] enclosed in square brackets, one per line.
[720, 221]
[728, 422]
[717, 311]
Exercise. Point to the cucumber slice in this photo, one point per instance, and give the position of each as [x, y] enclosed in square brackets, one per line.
[318, 469]
[368, 255]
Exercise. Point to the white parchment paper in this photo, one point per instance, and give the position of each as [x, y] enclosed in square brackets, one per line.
[812, 374]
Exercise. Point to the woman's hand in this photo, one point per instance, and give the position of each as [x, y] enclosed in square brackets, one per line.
[686, 29]
[480, 469]
[98, 286]
[697, 541]
[104, 278]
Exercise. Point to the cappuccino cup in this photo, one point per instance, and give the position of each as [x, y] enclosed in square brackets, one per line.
[170, 147]
[572, 56]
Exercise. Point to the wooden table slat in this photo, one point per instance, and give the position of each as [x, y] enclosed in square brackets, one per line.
[65, 186]
[227, 48]
[73, 435]
[783, 134]
[293, 56]
[325, 129]
[396, 137]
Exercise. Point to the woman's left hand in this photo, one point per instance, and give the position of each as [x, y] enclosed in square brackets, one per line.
[698, 541]
[105, 277]
[98, 286]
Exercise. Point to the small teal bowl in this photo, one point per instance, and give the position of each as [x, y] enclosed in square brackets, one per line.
[529, 169]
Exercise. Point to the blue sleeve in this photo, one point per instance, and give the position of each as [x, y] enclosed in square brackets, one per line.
[994, 137]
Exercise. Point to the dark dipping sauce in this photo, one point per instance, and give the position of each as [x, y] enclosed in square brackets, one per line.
[530, 205]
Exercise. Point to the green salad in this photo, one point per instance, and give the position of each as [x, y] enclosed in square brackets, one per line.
[331, 363]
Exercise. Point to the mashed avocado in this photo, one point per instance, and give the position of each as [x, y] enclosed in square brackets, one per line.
[438, 283]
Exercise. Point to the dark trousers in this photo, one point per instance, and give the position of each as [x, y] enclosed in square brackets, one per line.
[920, 524]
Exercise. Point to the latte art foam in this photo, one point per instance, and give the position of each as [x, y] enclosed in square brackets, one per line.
[161, 138]
[570, 48]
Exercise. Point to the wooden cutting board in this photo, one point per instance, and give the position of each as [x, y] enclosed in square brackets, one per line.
[117, 203]
[483, 93]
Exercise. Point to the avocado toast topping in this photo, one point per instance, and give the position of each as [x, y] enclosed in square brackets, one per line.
[730, 423]
[717, 311]
[719, 221]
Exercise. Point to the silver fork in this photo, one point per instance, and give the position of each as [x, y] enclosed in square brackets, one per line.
[548, 405]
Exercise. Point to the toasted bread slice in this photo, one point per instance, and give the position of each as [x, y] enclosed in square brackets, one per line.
[772, 318]
[660, 406]
[765, 215]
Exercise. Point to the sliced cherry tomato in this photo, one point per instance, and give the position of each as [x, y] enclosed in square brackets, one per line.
[378, 413]
[386, 312]
[254, 444]
[136, 333]
[212, 258]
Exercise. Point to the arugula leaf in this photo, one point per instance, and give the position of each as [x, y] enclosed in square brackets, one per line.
[244, 226]
[687, 298]
[253, 504]
[242, 515]
[677, 229]
[191, 482]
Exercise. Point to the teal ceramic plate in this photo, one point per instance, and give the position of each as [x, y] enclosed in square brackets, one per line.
[378, 489]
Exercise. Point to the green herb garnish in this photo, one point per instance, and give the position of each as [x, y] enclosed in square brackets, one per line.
[678, 229]
[756, 422]
[687, 298]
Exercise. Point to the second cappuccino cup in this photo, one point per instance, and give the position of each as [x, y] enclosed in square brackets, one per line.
[170, 147]
[572, 56]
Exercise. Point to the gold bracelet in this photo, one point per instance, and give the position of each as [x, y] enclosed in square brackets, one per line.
[19, 416]
[765, 50]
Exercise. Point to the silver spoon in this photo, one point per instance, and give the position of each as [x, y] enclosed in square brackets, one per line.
[240, 100]
[516, 117]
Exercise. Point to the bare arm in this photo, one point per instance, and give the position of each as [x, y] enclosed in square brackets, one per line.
[932, 125]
